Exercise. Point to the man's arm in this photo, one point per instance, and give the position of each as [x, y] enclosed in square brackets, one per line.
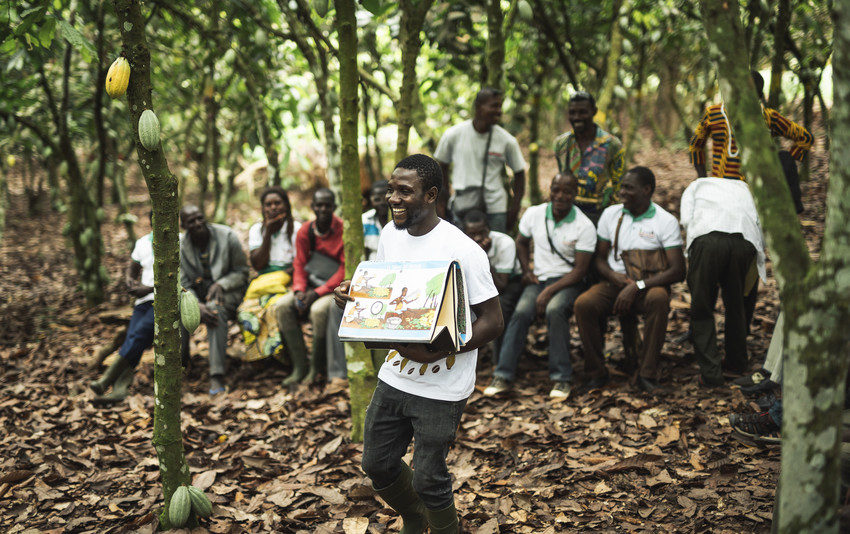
[443, 200]
[131, 278]
[696, 147]
[616, 167]
[792, 131]
[516, 201]
[523, 254]
[238, 273]
[675, 272]
[600, 261]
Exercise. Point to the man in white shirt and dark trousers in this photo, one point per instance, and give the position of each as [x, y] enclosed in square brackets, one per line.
[478, 151]
[424, 407]
[564, 240]
[725, 251]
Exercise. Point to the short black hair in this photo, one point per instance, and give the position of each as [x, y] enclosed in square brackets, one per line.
[475, 217]
[426, 168]
[324, 190]
[583, 96]
[485, 94]
[644, 176]
[379, 183]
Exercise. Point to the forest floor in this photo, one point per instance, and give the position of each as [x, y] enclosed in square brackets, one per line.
[275, 460]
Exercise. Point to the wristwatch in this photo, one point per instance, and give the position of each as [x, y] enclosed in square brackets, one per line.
[641, 285]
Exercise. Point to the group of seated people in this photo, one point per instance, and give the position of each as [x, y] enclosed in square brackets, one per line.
[297, 265]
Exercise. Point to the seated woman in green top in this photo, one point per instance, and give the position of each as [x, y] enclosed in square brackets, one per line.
[271, 243]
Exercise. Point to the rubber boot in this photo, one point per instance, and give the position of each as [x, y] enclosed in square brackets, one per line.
[109, 376]
[119, 389]
[402, 498]
[294, 342]
[318, 359]
[443, 521]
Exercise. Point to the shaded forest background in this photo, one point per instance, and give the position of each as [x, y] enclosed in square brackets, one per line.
[246, 94]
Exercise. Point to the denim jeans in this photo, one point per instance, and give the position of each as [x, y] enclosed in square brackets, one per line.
[392, 420]
[139, 333]
[558, 312]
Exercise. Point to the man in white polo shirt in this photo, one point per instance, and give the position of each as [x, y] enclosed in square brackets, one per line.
[636, 224]
[564, 240]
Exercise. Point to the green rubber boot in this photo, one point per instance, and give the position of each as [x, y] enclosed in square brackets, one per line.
[293, 340]
[119, 389]
[443, 521]
[110, 376]
[318, 359]
[402, 498]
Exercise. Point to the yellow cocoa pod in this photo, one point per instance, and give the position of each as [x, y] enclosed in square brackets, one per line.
[200, 502]
[149, 130]
[118, 77]
[180, 508]
[190, 311]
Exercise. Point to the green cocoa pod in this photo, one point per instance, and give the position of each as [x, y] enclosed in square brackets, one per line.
[190, 311]
[200, 502]
[181, 506]
[149, 130]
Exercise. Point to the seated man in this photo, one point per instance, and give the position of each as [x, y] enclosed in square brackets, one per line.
[213, 266]
[504, 265]
[139, 281]
[725, 250]
[564, 240]
[318, 268]
[638, 224]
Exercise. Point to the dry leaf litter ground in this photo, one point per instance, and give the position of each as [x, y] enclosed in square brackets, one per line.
[612, 460]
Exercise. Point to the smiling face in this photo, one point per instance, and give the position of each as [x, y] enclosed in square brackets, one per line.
[323, 206]
[478, 232]
[562, 193]
[581, 114]
[489, 112]
[193, 221]
[634, 195]
[411, 207]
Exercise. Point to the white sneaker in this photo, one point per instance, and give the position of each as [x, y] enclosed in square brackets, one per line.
[561, 390]
[498, 385]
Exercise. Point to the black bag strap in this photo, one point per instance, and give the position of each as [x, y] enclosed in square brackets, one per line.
[552, 246]
[617, 233]
[486, 153]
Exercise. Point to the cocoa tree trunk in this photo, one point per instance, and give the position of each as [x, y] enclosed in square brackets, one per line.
[412, 16]
[814, 296]
[495, 44]
[162, 185]
[361, 372]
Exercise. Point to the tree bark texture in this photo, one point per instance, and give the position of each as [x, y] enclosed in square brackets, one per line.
[495, 44]
[783, 20]
[361, 372]
[813, 295]
[167, 435]
[412, 16]
[612, 61]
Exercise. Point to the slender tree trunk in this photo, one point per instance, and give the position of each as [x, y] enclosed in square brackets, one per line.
[361, 372]
[412, 16]
[813, 295]
[84, 217]
[167, 436]
[636, 109]
[495, 44]
[99, 124]
[256, 91]
[612, 62]
[783, 20]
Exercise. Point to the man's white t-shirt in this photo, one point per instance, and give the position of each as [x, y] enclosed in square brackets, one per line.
[143, 255]
[282, 250]
[463, 147]
[502, 254]
[444, 242]
[653, 229]
[574, 233]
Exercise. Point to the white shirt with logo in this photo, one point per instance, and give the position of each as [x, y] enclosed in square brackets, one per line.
[654, 229]
[574, 233]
